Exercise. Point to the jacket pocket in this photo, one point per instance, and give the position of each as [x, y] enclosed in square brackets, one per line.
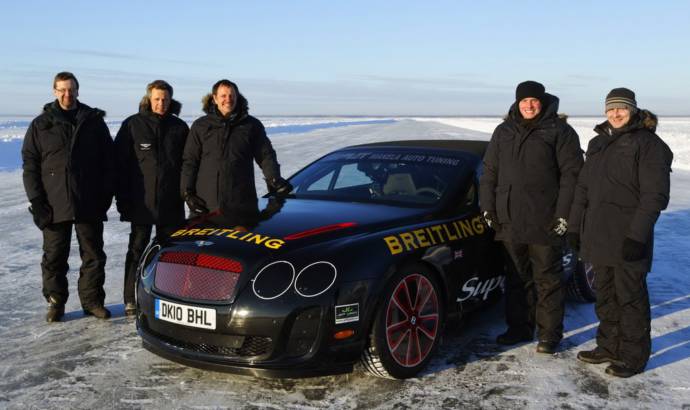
[503, 203]
[538, 205]
[55, 185]
[622, 178]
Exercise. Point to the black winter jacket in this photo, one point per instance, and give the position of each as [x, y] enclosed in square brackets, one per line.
[530, 173]
[623, 186]
[72, 166]
[149, 151]
[218, 158]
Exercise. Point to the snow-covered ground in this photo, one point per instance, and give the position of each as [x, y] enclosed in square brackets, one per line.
[14, 128]
[88, 363]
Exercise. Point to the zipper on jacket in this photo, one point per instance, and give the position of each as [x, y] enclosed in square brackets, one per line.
[157, 135]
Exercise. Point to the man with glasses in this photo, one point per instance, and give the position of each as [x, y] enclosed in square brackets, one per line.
[69, 180]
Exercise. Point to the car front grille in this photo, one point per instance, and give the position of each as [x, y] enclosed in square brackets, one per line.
[197, 276]
[251, 346]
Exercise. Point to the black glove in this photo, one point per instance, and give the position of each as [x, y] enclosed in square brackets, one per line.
[559, 226]
[491, 220]
[272, 207]
[633, 250]
[573, 239]
[195, 204]
[279, 186]
[42, 212]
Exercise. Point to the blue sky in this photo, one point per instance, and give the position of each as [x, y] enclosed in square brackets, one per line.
[349, 57]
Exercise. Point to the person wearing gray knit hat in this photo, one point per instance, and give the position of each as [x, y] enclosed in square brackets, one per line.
[621, 190]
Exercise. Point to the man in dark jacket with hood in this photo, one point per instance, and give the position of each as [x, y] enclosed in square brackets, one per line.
[149, 150]
[218, 169]
[622, 188]
[530, 171]
[69, 180]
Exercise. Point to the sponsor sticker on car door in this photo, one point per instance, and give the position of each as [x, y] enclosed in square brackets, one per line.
[185, 315]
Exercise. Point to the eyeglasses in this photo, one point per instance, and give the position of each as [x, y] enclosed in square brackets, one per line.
[65, 90]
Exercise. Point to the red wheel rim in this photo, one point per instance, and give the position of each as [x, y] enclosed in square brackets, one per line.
[412, 320]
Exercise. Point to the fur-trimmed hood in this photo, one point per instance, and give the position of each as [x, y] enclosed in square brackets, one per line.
[175, 106]
[241, 106]
[642, 119]
[550, 105]
[648, 120]
[560, 115]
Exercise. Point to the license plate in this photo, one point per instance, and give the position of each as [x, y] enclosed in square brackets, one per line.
[185, 315]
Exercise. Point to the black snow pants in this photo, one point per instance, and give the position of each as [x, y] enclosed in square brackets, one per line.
[622, 307]
[534, 290]
[139, 237]
[54, 267]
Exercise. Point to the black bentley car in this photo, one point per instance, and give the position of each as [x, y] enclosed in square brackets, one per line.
[377, 247]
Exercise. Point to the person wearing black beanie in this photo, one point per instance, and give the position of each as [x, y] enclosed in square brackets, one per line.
[623, 186]
[530, 171]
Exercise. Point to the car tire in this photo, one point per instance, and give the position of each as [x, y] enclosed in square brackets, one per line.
[580, 278]
[407, 327]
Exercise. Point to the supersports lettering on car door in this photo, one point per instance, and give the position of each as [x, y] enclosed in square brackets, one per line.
[476, 287]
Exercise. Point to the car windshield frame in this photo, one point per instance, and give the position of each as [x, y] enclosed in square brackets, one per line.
[403, 177]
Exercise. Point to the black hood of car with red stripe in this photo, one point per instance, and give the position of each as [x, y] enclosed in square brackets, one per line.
[295, 222]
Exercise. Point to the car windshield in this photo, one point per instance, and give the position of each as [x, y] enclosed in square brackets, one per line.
[384, 176]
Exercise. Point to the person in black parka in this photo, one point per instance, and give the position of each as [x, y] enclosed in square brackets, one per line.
[530, 171]
[69, 179]
[218, 167]
[149, 147]
[623, 186]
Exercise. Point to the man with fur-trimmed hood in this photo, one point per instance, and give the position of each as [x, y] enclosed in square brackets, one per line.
[530, 171]
[149, 148]
[218, 169]
[623, 186]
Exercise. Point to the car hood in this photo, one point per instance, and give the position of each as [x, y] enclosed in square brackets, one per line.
[300, 215]
[293, 223]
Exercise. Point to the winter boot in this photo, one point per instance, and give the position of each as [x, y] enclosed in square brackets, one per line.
[513, 336]
[621, 370]
[595, 356]
[130, 309]
[55, 310]
[547, 346]
[97, 311]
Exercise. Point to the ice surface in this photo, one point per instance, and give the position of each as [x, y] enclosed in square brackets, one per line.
[86, 363]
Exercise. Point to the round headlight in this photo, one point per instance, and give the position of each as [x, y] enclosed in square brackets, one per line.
[273, 280]
[315, 279]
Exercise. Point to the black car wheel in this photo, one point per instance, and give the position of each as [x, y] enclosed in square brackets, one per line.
[580, 286]
[408, 325]
[580, 278]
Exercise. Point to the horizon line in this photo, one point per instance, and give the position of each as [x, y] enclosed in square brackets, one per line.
[196, 115]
